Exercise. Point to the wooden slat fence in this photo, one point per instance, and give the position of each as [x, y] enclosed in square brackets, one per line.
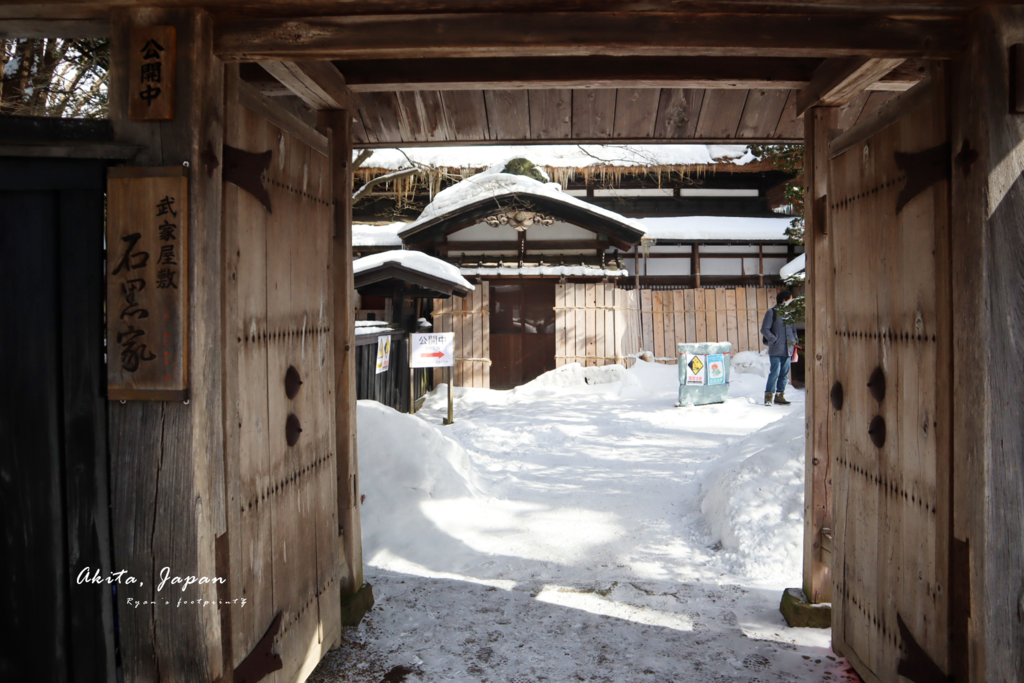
[597, 324]
[469, 319]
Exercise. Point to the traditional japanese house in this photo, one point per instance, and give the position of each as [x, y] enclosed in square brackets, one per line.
[543, 255]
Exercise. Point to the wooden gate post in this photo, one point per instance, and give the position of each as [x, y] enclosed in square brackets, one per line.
[340, 124]
[818, 122]
[167, 466]
[987, 548]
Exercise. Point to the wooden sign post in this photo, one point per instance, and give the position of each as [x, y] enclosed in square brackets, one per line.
[151, 73]
[147, 284]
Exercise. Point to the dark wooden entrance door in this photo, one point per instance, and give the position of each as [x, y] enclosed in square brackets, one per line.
[522, 331]
[53, 423]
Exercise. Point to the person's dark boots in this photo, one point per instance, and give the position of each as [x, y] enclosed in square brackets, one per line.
[780, 399]
[769, 397]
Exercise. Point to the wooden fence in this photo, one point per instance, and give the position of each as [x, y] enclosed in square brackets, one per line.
[597, 324]
[391, 387]
[469, 319]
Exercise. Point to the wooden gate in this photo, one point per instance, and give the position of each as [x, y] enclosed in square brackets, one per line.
[891, 369]
[468, 319]
[283, 534]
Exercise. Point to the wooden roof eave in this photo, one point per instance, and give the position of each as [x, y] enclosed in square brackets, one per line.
[393, 270]
[476, 212]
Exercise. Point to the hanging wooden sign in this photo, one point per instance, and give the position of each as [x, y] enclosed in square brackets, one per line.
[151, 71]
[147, 284]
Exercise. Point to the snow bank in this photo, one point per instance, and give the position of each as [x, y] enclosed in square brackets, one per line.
[414, 260]
[753, 503]
[716, 228]
[404, 462]
[751, 363]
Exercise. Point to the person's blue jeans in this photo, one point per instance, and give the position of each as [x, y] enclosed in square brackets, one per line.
[778, 373]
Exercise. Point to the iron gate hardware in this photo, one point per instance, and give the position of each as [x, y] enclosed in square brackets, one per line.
[837, 395]
[245, 169]
[877, 431]
[292, 430]
[292, 382]
[876, 383]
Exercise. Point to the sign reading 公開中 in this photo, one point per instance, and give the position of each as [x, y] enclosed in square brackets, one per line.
[151, 71]
[147, 284]
[433, 350]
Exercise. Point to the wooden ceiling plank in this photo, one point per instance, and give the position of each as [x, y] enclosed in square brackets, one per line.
[538, 34]
[319, 84]
[466, 113]
[14, 29]
[678, 112]
[410, 116]
[838, 81]
[508, 114]
[551, 114]
[593, 112]
[720, 113]
[636, 112]
[501, 73]
[380, 114]
[761, 113]
[791, 126]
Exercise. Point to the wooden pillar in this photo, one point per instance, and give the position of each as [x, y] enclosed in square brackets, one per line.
[340, 124]
[987, 549]
[818, 123]
[167, 466]
[695, 258]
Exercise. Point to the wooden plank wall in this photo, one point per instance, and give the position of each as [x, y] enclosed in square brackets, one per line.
[597, 324]
[285, 556]
[469, 319]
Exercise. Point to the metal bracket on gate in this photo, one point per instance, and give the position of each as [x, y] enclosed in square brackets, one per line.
[262, 660]
[915, 664]
[245, 169]
[923, 170]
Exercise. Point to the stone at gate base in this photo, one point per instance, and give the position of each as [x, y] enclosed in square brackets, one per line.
[354, 607]
[800, 613]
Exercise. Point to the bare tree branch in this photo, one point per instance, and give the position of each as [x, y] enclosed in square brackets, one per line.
[365, 189]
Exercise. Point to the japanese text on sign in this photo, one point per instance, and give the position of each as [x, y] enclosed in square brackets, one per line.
[146, 304]
[433, 350]
[151, 73]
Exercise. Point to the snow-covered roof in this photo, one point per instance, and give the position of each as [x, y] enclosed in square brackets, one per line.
[797, 265]
[493, 184]
[740, 228]
[560, 156]
[372, 327]
[415, 261]
[559, 271]
[367, 235]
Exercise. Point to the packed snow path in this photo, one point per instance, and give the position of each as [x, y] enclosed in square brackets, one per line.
[583, 528]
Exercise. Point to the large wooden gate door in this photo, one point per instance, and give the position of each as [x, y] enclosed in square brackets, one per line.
[284, 546]
[889, 217]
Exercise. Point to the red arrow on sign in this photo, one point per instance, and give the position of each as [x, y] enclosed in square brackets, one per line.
[438, 354]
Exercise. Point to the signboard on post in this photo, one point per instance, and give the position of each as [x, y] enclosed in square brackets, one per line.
[151, 73]
[147, 284]
[433, 350]
[383, 353]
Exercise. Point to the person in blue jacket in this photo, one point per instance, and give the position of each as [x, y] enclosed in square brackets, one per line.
[780, 337]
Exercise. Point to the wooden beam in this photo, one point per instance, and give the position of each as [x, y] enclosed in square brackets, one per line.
[165, 456]
[819, 123]
[339, 123]
[13, 29]
[656, 34]
[500, 73]
[390, 142]
[319, 84]
[837, 81]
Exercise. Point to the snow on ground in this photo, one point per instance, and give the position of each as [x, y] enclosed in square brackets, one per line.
[583, 528]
